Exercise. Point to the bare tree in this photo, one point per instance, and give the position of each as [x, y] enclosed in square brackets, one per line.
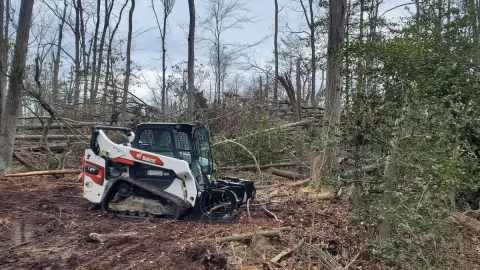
[222, 16]
[56, 60]
[309, 17]
[76, 91]
[3, 62]
[275, 44]
[333, 104]
[106, 21]
[94, 60]
[14, 96]
[167, 9]
[127, 70]
[191, 55]
[108, 75]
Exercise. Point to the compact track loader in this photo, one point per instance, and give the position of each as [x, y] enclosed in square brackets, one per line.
[165, 169]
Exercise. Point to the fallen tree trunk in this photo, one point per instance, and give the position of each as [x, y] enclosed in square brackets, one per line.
[102, 238]
[242, 237]
[367, 168]
[466, 221]
[287, 174]
[55, 126]
[50, 137]
[53, 172]
[254, 167]
[57, 146]
[23, 161]
[290, 125]
[301, 182]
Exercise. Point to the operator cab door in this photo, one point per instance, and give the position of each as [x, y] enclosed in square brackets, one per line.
[157, 140]
[203, 165]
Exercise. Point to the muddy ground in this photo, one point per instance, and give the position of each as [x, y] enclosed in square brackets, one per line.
[45, 224]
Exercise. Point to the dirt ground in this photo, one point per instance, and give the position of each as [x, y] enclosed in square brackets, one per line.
[45, 224]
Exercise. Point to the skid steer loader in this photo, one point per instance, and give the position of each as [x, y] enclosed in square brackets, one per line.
[164, 170]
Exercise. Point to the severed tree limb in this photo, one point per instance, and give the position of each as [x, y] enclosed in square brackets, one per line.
[254, 167]
[289, 125]
[243, 237]
[286, 252]
[248, 151]
[102, 238]
[466, 221]
[23, 161]
[53, 172]
[287, 174]
[268, 211]
[352, 261]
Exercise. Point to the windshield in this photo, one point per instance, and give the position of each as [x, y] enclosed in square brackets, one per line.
[202, 146]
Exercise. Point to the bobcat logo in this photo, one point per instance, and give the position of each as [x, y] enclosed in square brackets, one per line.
[146, 158]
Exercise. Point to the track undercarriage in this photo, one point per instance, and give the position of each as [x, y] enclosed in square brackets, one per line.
[223, 202]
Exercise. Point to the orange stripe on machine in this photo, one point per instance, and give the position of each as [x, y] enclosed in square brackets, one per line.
[146, 157]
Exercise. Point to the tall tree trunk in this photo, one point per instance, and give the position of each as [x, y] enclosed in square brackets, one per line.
[275, 44]
[108, 11]
[347, 58]
[14, 96]
[164, 67]
[3, 64]
[76, 91]
[127, 70]
[312, 44]
[95, 48]
[191, 55]
[218, 70]
[109, 53]
[56, 64]
[333, 93]
[86, 55]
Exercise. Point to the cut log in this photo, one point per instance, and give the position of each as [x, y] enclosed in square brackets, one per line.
[50, 137]
[243, 237]
[43, 173]
[102, 238]
[466, 221]
[254, 167]
[287, 174]
[301, 182]
[320, 196]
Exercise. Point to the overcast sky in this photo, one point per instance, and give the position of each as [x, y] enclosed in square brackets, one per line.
[147, 44]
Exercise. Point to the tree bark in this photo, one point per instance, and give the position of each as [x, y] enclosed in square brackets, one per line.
[3, 63]
[127, 70]
[14, 96]
[191, 55]
[333, 105]
[95, 48]
[56, 64]
[108, 60]
[164, 67]
[76, 91]
[275, 44]
[108, 11]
